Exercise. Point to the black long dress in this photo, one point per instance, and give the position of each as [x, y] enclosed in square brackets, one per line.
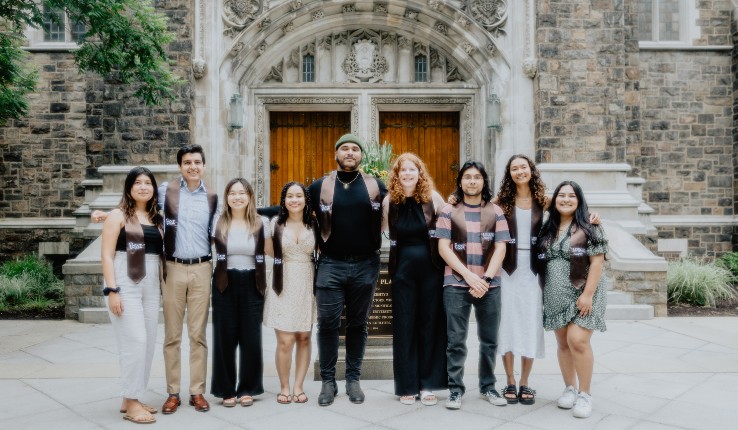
[418, 318]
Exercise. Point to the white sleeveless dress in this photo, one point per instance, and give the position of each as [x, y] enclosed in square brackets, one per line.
[521, 320]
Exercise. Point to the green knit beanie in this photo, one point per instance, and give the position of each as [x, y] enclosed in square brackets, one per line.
[350, 138]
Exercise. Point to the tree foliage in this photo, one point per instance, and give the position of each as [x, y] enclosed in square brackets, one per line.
[125, 37]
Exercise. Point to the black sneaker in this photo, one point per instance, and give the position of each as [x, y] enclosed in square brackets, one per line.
[454, 400]
[328, 392]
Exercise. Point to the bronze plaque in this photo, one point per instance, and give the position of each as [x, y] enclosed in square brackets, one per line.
[380, 316]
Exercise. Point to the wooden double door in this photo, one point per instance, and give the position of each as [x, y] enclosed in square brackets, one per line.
[302, 144]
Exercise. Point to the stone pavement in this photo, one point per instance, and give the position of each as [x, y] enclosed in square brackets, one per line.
[666, 373]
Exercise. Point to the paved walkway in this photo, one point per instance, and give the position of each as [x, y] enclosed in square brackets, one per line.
[666, 373]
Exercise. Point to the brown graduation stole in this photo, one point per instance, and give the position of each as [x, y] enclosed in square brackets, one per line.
[325, 207]
[135, 249]
[459, 236]
[221, 258]
[171, 214]
[578, 258]
[510, 263]
[278, 270]
[429, 213]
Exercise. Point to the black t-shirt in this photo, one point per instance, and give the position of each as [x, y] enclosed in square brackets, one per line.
[351, 229]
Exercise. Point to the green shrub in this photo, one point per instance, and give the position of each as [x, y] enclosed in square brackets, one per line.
[29, 284]
[695, 283]
[730, 262]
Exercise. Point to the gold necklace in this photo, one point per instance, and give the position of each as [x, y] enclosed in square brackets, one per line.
[346, 184]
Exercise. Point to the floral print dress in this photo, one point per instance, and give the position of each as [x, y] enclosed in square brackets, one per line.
[560, 296]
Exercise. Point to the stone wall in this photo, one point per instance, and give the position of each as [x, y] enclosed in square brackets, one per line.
[125, 131]
[78, 123]
[647, 288]
[686, 141]
[707, 241]
[580, 97]
[43, 155]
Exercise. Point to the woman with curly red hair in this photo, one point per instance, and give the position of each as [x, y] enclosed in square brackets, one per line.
[419, 322]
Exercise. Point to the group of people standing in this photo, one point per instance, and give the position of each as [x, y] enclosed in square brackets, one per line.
[482, 252]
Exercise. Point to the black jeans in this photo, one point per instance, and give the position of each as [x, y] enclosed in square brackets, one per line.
[458, 303]
[237, 314]
[339, 282]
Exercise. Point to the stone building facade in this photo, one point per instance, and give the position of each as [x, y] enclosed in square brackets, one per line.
[582, 85]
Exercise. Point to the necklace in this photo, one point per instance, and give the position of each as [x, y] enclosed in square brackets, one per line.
[346, 184]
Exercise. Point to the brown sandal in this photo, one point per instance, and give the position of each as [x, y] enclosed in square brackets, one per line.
[148, 408]
[140, 419]
[283, 399]
[296, 398]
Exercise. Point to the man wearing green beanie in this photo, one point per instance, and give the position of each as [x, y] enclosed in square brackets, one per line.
[350, 138]
[348, 207]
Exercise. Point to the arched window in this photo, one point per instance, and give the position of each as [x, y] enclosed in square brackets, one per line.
[421, 68]
[308, 68]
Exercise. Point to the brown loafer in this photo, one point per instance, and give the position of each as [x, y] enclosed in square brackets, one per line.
[199, 402]
[171, 404]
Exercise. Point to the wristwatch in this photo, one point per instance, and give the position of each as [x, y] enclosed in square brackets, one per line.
[107, 290]
[488, 280]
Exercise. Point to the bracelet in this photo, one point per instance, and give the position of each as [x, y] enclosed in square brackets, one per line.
[107, 290]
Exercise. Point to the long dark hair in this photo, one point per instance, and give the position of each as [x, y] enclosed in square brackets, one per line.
[581, 216]
[486, 191]
[307, 211]
[128, 206]
[508, 190]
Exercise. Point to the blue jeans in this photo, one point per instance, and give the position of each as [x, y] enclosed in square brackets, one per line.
[339, 282]
[458, 303]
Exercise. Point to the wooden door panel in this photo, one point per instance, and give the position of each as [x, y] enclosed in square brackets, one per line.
[433, 136]
[302, 146]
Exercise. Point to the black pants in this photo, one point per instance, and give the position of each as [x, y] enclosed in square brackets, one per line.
[339, 282]
[458, 303]
[418, 323]
[237, 315]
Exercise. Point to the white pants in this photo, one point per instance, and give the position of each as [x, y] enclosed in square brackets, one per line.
[135, 329]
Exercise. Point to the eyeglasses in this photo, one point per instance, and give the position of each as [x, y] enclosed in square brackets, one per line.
[472, 178]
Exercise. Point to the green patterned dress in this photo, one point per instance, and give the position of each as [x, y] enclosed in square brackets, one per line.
[560, 296]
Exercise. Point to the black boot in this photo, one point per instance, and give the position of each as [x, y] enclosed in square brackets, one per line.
[353, 389]
[327, 393]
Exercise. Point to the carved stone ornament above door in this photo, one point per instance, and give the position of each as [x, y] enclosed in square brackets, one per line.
[491, 14]
[237, 14]
[364, 63]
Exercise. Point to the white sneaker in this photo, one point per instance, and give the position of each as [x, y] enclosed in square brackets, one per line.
[454, 400]
[583, 406]
[494, 397]
[568, 398]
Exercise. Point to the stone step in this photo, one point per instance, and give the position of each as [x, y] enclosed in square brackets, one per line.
[619, 298]
[629, 312]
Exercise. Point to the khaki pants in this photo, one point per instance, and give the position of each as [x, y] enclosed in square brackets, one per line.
[187, 287]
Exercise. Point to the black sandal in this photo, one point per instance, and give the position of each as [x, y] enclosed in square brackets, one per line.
[510, 390]
[531, 393]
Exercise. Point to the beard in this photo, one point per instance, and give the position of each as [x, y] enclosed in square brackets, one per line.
[346, 167]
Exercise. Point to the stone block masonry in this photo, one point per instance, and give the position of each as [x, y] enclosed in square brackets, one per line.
[78, 123]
